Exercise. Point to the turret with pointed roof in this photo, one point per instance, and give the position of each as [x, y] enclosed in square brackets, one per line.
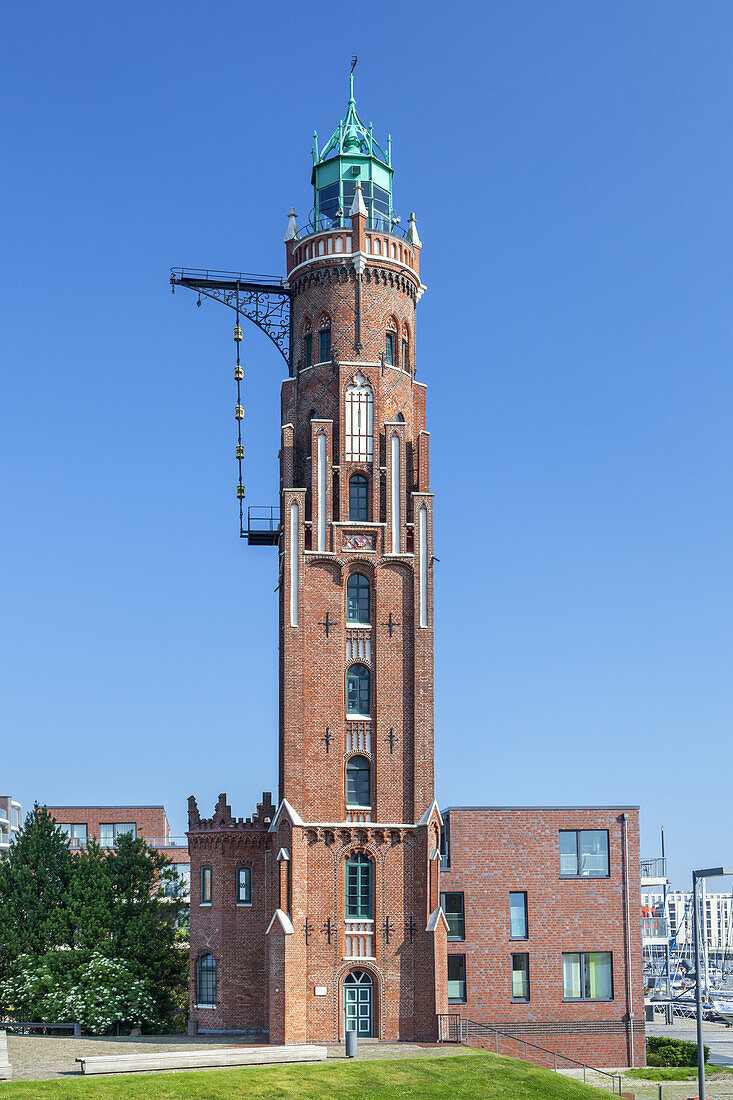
[352, 153]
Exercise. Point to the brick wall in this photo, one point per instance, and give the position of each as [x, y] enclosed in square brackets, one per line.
[496, 851]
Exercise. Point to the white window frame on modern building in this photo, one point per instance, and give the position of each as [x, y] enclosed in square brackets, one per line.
[359, 420]
[580, 870]
[118, 828]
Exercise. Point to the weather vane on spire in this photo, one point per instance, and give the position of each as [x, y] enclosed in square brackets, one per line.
[354, 60]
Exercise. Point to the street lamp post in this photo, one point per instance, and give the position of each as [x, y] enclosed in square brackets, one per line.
[709, 872]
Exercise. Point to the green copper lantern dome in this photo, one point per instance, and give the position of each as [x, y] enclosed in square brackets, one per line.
[352, 154]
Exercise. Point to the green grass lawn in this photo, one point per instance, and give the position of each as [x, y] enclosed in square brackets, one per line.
[474, 1077]
[675, 1073]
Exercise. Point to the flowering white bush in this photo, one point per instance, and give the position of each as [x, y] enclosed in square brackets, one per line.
[102, 993]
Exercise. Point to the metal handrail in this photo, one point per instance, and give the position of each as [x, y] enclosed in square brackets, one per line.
[473, 1029]
[167, 841]
[309, 228]
[654, 868]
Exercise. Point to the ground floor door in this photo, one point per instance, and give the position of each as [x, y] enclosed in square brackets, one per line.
[359, 1003]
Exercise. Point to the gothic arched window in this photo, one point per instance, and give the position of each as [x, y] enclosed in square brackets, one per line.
[206, 980]
[358, 599]
[358, 782]
[359, 888]
[358, 498]
[324, 340]
[359, 420]
[358, 690]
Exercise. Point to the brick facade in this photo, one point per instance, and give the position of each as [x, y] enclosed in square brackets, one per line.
[151, 825]
[357, 689]
[494, 851]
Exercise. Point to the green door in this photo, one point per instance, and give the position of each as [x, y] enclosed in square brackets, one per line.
[358, 1003]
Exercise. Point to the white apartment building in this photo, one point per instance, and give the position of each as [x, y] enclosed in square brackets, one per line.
[718, 918]
[10, 820]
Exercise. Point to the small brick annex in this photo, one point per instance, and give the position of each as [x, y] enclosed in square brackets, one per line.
[339, 921]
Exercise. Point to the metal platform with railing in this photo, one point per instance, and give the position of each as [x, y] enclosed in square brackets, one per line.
[263, 526]
[454, 1028]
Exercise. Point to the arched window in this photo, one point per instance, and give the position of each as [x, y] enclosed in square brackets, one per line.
[400, 418]
[359, 888]
[206, 980]
[358, 782]
[358, 498]
[357, 600]
[405, 348]
[358, 692]
[359, 420]
[390, 340]
[307, 344]
[324, 340]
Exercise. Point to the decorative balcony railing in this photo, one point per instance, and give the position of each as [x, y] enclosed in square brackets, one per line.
[358, 644]
[654, 868]
[360, 939]
[359, 737]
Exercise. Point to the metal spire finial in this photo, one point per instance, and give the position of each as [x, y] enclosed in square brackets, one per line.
[354, 60]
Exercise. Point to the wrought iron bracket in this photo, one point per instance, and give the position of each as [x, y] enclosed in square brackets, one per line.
[261, 298]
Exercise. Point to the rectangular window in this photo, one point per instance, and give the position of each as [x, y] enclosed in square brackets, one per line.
[518, 924]
[76, 833]
[110, 831]
[584, 853]
[15, 817]
[359, 889]
[324, 346]
[178, 884]
[453, 907]
[389, 349]
[206, 886]
[456, 979]
[244, 885]
[308, 345]
[587, 976]
[520, 977]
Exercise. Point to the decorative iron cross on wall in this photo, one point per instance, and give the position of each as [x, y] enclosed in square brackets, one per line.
[391, 624]
[391, 738]
[328, 738]
[328, 622]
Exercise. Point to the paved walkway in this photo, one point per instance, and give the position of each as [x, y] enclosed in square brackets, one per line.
[41, 1057]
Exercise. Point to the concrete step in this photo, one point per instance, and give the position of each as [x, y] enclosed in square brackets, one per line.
[201, 1058]
[6, 1070]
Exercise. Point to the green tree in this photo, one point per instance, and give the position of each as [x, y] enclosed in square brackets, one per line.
[35, 880]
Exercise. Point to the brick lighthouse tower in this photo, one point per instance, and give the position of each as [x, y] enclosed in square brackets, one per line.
[323, 914]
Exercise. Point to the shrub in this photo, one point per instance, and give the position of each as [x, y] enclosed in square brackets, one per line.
[665, 1051]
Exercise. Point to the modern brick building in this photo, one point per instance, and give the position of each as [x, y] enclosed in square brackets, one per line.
[323, 914]
[104, 823]
[543, 912]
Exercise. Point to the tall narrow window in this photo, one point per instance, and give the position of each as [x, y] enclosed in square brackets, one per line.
[359, 420]
[206, 886]
[206, 981]
[389, 345]
[358, 782]
[518, 925]
[520, 977]
[308, 349]
[405, 355]
[358, 498]
[359, 888]
[456, 979]
[454, 914]
[357, 690]
[244, 885]
[357, 600]
[324, 345]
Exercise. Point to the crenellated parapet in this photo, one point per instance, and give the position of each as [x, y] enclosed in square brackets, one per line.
[223, 819]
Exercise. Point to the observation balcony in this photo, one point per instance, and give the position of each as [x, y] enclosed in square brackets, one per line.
[263, 526]
[654, 872]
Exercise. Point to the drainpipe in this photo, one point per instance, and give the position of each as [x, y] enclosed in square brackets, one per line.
[629, 977]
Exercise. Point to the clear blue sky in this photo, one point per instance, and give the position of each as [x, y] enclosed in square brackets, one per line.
[571, 168]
